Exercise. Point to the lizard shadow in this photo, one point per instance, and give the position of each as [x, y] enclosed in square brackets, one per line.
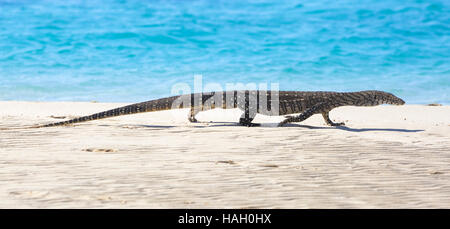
[355, 129]
[273, 125]
[146, 126]
[345, 128]
[217, 124]
[155, 126]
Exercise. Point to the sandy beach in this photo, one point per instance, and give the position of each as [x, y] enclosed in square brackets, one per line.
[385, 157]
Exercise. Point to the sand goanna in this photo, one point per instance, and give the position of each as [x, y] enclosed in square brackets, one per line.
[252, 102]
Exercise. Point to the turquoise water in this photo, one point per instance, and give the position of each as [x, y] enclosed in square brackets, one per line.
[134, 50]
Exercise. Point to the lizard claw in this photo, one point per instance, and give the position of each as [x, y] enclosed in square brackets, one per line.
[337, 124]
[281, 124]
[249, 124]
[192, 119]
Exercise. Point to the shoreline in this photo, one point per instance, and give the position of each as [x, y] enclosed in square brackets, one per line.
[385, 157]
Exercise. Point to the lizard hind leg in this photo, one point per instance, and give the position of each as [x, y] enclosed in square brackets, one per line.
[316, 109]
[247, 118]
[326, 117]
[247, 121]
[250, 110]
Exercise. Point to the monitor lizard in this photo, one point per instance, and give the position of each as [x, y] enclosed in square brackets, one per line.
[252, 102]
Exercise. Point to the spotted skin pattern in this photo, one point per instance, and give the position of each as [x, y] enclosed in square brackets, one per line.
[324, 102]
[254, 102]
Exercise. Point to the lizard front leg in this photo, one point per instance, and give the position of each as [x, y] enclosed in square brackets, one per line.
[326, 117]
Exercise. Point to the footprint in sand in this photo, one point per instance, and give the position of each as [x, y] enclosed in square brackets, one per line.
[100, 150]
[226, 162]
[270, 166]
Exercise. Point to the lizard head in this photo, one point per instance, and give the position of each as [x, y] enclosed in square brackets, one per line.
[381, 97]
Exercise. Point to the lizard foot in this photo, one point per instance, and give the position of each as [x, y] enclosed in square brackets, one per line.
[248, 123]
[251, 124]
[288, 120]
[337, 124]
[281, 123]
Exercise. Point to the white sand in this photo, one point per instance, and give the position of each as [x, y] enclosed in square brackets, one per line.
[386, 157]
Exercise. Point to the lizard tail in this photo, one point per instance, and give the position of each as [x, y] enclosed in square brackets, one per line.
[130, 109]
[152, 105]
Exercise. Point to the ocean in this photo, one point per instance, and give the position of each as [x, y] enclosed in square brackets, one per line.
[137, 50]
